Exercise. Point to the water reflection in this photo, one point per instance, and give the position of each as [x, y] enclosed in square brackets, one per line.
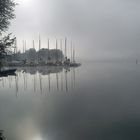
[102, 103]
[40, 80]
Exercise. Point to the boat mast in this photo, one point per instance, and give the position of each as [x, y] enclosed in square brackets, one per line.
[48, 49]
[71, 51]
[61, 45]
[23, 45]
[39, 48]
[61, 48]
[34, 49]
[74, 53]
[39, 42]
[33, 44]
[65, 48]
[48, 44]
[56, 51]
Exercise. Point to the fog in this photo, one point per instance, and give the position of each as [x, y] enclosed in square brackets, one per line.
[101, 30]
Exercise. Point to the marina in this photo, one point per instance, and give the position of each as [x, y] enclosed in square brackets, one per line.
[69, 70]
[44, 56]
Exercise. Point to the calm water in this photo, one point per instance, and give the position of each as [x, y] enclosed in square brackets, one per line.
[97, 101]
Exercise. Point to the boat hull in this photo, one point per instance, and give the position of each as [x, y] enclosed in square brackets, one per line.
[7, 72]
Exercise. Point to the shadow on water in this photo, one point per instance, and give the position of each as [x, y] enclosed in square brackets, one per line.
[2, 137]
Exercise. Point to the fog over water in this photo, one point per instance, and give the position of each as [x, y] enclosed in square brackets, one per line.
[101, 29]
[95, 101]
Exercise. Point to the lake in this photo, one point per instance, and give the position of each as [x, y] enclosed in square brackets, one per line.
[97, 101]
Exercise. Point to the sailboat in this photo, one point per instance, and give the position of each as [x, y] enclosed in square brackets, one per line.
[73, 63]
[49, 62]
[58, 61]
[67, 60]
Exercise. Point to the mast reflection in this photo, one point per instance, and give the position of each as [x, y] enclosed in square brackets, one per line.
[40, 80]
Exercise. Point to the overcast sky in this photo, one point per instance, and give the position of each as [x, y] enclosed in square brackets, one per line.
[101, 29]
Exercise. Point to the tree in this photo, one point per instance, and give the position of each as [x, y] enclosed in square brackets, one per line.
[6, 43]
[6, 13]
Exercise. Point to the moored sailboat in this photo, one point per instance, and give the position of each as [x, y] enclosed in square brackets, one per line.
[73, 63]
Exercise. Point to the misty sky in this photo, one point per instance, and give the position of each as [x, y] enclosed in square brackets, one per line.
[101, 29]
